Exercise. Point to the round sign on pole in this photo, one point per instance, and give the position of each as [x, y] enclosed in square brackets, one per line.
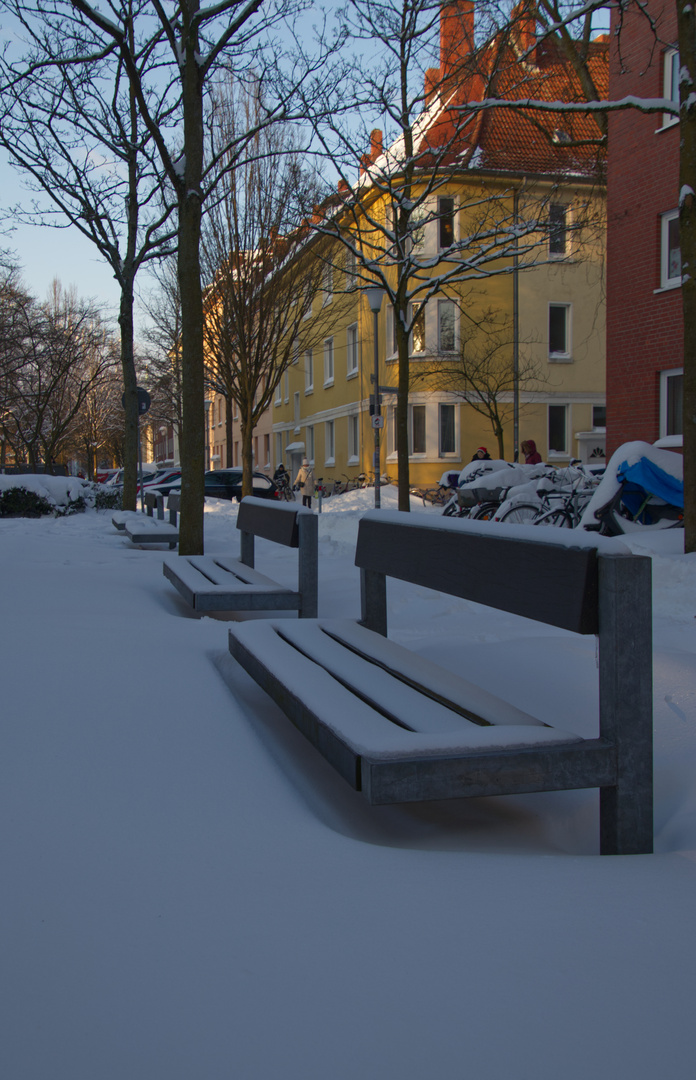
[378, 421]
[144, 400]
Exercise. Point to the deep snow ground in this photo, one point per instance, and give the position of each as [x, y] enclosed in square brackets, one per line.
[190, 893]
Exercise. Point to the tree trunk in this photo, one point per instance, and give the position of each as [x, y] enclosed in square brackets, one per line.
[229, 433]
[687, 233]
[189, 235]
[130, 388]
[402, 348]
[247, 429]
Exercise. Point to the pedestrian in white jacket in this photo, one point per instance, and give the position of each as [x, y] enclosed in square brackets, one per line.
[305, 482]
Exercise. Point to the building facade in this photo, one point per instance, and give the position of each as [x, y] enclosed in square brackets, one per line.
[644, 303]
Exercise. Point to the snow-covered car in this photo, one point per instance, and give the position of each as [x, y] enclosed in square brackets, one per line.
[227, 484]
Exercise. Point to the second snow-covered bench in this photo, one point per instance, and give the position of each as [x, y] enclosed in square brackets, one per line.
[399, 728]
[222, 583]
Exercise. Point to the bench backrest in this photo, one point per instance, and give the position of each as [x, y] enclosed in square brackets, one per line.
[544, 581]
[270, 520]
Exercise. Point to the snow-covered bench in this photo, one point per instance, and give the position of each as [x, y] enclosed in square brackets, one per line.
[399, 728]
[219, 583]
[148, 529]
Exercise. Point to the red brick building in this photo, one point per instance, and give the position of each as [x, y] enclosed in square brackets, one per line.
[644, 315]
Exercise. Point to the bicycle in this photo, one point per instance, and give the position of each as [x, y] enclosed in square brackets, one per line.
[562, 508]
[285, 488]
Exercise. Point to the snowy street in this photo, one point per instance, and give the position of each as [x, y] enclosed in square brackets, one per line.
[189, 892]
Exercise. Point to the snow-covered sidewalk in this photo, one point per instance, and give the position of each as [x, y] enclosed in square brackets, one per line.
[190, 893]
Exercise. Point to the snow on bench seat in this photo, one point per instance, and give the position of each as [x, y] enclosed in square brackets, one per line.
[219, 583]
[147, 530]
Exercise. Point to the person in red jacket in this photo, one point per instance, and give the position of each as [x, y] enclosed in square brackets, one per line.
[531, 454]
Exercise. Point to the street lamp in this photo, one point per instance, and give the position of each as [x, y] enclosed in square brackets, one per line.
[375, 295]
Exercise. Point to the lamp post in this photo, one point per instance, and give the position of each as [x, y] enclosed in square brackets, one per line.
[375, 295]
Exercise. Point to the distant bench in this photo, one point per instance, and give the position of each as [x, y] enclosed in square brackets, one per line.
[220, 583]
[399, 728]
[148, 529]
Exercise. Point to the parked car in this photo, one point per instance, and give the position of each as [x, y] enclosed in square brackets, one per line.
[227, 484]
[161, 482]
[102, 476]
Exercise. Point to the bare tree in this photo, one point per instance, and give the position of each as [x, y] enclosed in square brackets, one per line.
[162, 347]
[67, 354]
[263, 265]
[70, 124]
[483, 374]
[188, 43]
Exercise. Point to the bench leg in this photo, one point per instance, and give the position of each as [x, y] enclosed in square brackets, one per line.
[308, 566]
[625, 702]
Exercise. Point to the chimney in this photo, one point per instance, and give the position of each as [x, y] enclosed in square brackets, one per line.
[375, 144]
[456, 34]
[432, 83]
[343, 187]
[524, 24]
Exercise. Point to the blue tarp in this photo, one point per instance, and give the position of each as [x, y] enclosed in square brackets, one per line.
[648, 477]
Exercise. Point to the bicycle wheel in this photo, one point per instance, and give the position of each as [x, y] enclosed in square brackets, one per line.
[559, 517]
[520, 514]
[484, 511]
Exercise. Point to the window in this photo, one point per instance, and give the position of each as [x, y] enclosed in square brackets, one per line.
[445, 223]
[416, 432]
[353, 439]
[329, 442]
[308, 371]
[445, 317]
[670, 261]
[286, 381]
[267, 450]
[256, 450]
[351, 269]
[352, 350]
[310, 443]
[296, 409]
[599, 416]
[559, 331]
[279, 448]
[417, 313]
[391, 331]
[558, 226]
[670, 86]
[446, 430]
[295, 353]
[306, 302]
[671, 401]
[279, 393]
[558, 429]
[328, 362]
[327, 285]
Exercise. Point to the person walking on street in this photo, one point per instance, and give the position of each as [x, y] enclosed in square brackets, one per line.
[531, 454]
[305, 482]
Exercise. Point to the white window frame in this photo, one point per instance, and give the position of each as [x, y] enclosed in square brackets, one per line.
[670, 76]
[327, 285]
[279, 448]
[352, 351]
[566, 231]
[666, 281]
[351, 269]
[329, 361]
[296, 410]
[309, 430]
[286, 381]
[353, 439]
[440, 215]
[562, 356]
[665, 376]
[422, 310]
[309, 371]
[329, 442]
[391, 333]
[279, 392]
[454, 452]
[411, 452]
[557, 405]
[440, 309]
